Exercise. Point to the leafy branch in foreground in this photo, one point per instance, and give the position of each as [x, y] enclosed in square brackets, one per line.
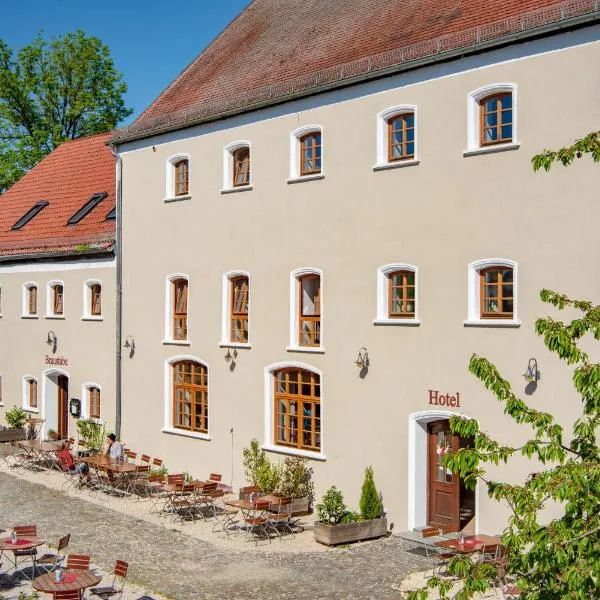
[590, 144]
[549, 559]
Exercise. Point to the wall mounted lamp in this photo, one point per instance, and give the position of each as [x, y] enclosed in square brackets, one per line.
[231, 356]
[52, 339]
[129, 343]
[532, 374]
[362, 360]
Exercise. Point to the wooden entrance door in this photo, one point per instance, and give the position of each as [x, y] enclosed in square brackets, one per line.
[443, 486]
[62, 384]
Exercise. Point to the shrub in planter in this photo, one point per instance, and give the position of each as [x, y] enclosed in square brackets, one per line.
[92, 433]
[332, 510]
[296, 479]
[15, 417]
[370, 502]
[258, 468]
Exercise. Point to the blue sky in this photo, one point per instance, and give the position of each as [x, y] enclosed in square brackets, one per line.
[151, 41]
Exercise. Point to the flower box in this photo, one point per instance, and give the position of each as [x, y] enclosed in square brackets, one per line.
[344, 533]
[12, 434]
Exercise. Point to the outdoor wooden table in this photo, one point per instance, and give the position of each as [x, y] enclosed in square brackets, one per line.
[111, 464]
[73, 579]
[23, 543]
[472, 543]
[42, 451]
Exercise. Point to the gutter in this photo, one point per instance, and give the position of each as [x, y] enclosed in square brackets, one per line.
[119, 292]
[52, 257]
[520, 36]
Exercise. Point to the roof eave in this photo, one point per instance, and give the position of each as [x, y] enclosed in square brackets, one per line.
[535, 32]
[95, 253]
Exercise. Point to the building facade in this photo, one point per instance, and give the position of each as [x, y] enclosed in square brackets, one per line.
[57, 285]
[312, 263]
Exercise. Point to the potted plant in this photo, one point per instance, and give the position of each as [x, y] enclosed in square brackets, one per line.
[338, 525]
[52, 435]
[258, 468]
[16, 418]
[295, 480]
[93, 435]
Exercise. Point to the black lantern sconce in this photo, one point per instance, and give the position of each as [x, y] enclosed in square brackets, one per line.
[362, 360]
[532, 374]
[52, 340]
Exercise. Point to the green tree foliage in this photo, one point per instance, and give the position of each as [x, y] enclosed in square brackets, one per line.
[590, 144]
[370, 503]
[560, 558]
[51, 92]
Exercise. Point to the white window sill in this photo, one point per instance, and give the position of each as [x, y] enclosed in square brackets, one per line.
[491, 323]
[301, 178]
[56, 317]
[396, 164]
[294, 452]
[184, 433]
[92, 318]
[307, 349]
[29, 317]
[403, 322]
[240, 188]
[178, 198]
[177, 343]
[234, 345]
[31, 410]
[492, 149]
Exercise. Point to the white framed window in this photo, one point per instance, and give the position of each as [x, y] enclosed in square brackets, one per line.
[29, 308]
[237, 167]
[306, 310]
[30, 393]
[92, 300]
[307, 156]
[397, 137]
[294, 410]
[493, 293]
[186, 394]
[91, 394]
[235, 313]
[55, 298]
[178, 177]
[397, 295]
[492, 119]
[176, 309]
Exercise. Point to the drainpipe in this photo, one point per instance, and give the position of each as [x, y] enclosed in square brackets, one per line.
[119, 292]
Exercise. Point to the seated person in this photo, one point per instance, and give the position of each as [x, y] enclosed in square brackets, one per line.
[68, 464]
[114, 449]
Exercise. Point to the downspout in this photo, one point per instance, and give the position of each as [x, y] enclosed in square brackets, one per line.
[119, 292]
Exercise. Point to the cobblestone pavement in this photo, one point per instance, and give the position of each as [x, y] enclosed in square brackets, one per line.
[182, 567]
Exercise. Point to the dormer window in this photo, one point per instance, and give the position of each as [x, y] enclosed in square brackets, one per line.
[32, 212]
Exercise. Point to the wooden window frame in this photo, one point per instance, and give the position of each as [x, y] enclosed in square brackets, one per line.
[313, 399]
[501, 298]
[314, 331]
[58, 307]
[32, 391]
[193, 388]
[94, 401]
[404, 144]
[405, 287]
[32, 301]
[301, 142]
[181, 187]
[179, 318]
[499, 124]
[241, 316]
[240, 166]
[95, 299]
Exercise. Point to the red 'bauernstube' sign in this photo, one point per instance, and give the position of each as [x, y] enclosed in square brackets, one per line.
[57, 360]
[438, 399]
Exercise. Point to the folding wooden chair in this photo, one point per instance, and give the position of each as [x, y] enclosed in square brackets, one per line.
[78, 561]
[113, 590]
[67, 595]
[247, 491]
[54, 559]
[256, 524]
[282, 519]
[25, 531]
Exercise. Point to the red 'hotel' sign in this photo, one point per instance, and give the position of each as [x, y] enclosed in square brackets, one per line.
[444, 399]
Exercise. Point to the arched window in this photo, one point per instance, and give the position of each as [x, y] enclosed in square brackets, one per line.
[181, 168]
[496, 119]
[190, 396]
[57, 299]
[401, 137]
[310, 153]
[30, 393]
[309, 310]
[93, 402]
[96, 299]
[30, 300]
[180, 311]
[401, 294]
[240, 295]
[496, 292]
[297, 409]
[241, 167]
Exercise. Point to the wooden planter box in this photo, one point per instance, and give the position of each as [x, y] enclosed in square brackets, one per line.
[350, 532]
[300, 506]
[13, 434]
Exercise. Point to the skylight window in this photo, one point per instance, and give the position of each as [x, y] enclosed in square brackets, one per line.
[86, 208]
[34, 210]
[112, 214]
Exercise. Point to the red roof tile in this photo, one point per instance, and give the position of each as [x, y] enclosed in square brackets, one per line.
[67, 178]
[277, 47]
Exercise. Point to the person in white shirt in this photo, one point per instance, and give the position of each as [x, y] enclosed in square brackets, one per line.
[114, 449]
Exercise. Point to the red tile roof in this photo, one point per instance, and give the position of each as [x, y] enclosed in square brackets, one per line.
[276, 48]
[67, 178]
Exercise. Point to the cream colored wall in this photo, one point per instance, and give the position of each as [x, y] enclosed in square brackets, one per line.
[440, 215]
[87, 345]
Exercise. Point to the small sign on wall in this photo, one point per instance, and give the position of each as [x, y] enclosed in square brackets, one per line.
[57, 360]
[437, 399]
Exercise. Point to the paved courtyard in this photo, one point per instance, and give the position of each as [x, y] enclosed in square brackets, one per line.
[166, 560]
